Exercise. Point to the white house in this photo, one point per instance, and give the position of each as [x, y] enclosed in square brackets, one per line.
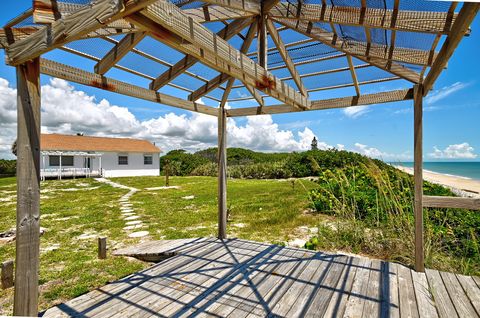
[86, 156]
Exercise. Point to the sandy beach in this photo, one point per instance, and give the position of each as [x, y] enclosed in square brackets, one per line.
[470, 186]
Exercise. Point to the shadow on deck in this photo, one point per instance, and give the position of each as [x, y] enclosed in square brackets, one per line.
[238, 278]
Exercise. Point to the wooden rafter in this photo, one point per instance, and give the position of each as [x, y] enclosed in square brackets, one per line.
[251, 6]
[378, 51]
[357, 51]
[413, 21]
[118, 52]
[45, 11]
[353, 73]
[459, 29]
[70, 28]
[79, 76]
[169, 25]
[216, 13]
[286, 57]
[367, 99]
[188, 61]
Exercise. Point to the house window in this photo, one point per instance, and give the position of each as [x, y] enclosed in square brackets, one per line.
[122, 160]
[54, 161]
[147, 159]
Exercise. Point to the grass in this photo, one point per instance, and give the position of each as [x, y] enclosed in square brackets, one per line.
[262, 210]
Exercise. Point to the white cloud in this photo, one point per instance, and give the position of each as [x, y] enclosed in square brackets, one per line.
[442, 93]
[69, 111]
[369, 151]
[356, 111]
[376, 153]
[456, 151]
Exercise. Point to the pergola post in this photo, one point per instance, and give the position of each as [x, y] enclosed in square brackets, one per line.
[418, 176]
[222, 173]
[28, 189]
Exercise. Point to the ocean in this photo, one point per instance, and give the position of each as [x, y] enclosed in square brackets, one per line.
[469, 170]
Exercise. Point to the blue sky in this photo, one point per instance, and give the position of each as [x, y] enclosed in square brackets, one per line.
[451, 119]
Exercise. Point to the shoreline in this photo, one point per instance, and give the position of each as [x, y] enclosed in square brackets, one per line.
[461, 186]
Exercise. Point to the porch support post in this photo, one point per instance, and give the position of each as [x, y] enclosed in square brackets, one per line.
[222, 173]
[28, 189]
[418, 176]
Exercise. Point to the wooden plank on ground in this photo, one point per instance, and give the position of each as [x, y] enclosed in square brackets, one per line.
[459, 299]
[425, 303]
[191, 281]
[356, 300]
[471, 290]
[440, 295]
[228, 298]
[337, 304]
[373, 302]
[297, 295]
[390, 299]
[408, 303]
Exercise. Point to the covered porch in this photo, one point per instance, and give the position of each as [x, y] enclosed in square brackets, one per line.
[80, 164]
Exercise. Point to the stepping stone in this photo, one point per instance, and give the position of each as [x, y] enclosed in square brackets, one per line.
[134, 222]
[189, 197]
[126, 210]
[138, 234]
[128, 214]
[133, 217]
[132, 227]
[127, 205]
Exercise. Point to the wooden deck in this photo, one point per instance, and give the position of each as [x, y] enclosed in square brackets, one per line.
[238, 278]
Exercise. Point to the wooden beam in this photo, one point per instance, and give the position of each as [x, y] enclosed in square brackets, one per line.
[70, 28]
[170, 26]
[102, 247]
[459, 29]
[79, 76]
[222, 163]
[28, 190]
[262, 41]
[286, 57]
[188, 61]
[451, 202]
[359, 48]
[251, 6]
[258, 97]
[118, 52]
[6, 273]
[353, 73]
[45, 11]
[412, 21]
[359, 51]
[418, 176]
[213, 13]
[342, 102]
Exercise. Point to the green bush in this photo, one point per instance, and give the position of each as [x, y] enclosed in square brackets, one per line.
[381, 198]
[7, 167]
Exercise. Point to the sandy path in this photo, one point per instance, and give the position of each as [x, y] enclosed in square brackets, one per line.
[468, 185]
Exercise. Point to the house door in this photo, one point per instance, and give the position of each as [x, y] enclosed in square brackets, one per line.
[88, 163]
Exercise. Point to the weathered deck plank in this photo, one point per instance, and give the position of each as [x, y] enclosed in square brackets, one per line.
[238, 278]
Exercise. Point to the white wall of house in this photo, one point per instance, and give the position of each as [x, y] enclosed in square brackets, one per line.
[110, 164]
[135, 166]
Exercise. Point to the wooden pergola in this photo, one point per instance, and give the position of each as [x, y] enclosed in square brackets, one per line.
[302, 48]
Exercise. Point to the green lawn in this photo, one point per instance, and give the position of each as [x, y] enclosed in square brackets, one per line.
[75, 212]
